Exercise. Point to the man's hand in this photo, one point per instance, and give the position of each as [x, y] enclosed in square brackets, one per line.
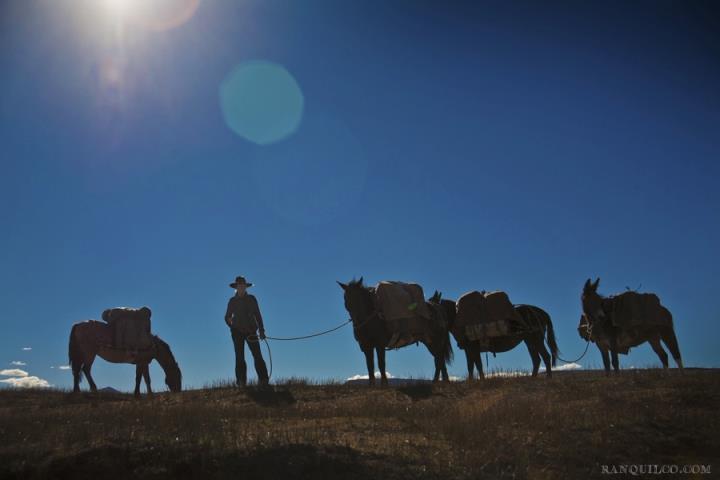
[227, 320]
[262, 334]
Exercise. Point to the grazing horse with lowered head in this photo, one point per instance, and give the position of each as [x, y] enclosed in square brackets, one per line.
[534, 337]
[602, 323]
[373, 336]
[92, 338]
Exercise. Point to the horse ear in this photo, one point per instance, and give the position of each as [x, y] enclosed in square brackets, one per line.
[342, 285]
[595, 285]
[587, 285]
[360, 282]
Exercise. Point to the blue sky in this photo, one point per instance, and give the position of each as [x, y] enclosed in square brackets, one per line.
[497, 145]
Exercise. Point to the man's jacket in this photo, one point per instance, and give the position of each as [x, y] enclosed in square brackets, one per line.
[243, 314]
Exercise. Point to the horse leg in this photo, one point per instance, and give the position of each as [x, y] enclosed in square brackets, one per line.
[436, 360]
[370, 362]
[438, 369]
[670, 341]
[547, 360]
[470, 363]
[605, 359]
[87, 365]
[146, 375]
[444, 353]
[76, 367]
[534, 356]
[615, 361]
[614, 353]
[381, 366]
[478, 363]
[138, 377]
[655, 344]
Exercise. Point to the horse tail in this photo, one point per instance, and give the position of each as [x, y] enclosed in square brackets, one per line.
[552, 343]
[448, 354]
[75, 353]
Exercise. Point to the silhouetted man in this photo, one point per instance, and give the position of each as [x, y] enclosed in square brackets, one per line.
[244, 319]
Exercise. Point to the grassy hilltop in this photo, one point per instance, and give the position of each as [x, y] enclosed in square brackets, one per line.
[565, 427]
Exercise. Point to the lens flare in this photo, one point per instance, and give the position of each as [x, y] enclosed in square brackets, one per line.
[261, 102]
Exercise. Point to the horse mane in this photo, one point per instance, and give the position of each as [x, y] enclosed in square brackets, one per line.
[162, 343]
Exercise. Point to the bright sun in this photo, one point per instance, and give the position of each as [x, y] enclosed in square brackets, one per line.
[120, 7]
[154, 14]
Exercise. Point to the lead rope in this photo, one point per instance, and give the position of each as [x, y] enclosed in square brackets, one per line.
[587, 345]
[256, 338]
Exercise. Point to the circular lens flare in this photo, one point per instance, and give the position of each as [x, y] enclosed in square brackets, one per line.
[261, 102]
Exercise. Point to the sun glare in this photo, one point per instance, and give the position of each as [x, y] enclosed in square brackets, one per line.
[153, 14]
[120, 8]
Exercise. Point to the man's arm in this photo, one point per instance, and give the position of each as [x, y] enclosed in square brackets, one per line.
[258, 318]
[228, 313]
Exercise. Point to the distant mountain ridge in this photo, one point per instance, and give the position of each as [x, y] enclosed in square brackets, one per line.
[108, 390]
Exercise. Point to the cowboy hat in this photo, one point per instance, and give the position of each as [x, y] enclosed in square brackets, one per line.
[240, 281]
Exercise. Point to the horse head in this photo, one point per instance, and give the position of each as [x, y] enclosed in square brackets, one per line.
[164, 356]
[358, 299]
[592, 301]
[173, 378]
[436, 297]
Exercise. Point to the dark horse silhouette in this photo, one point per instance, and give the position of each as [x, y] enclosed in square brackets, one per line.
[598, 325]
[372, 334]
[92, 338]
[534, 338]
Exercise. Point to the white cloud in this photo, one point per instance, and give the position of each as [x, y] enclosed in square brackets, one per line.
[18, 363]
[27, 382]
[64, 367]
[566, 366]
[365, 377]
[27, 349]
[13, 372]
[507, 374]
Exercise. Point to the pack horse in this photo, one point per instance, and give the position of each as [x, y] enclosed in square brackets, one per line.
[620, 322]
[125, 338]
[393, 315]
[488, 322]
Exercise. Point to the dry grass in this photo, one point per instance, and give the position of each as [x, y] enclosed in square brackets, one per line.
[500, 428]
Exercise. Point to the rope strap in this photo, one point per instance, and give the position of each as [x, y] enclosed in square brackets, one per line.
[311, 335]
[588, 327]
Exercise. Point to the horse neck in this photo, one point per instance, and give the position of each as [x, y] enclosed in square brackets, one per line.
[371, 311]
[164, 356]
[448, 307]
